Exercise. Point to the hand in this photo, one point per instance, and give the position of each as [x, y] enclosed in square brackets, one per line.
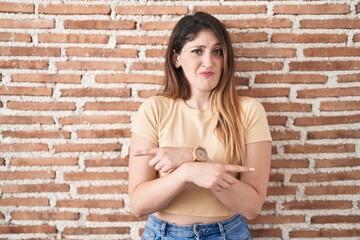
[166, 159]
[214, 176]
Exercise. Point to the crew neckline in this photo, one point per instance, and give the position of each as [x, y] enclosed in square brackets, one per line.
[194, 110]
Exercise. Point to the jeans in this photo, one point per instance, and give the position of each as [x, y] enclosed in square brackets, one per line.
[234, 228]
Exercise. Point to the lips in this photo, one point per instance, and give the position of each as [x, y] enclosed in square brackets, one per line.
[207, 74]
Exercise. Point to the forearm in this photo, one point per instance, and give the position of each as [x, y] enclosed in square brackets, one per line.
[241, 198]
[152, 196]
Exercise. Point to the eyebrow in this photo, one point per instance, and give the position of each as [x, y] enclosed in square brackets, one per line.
[203, 46]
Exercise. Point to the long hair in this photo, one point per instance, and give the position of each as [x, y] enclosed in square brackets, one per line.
[223, 98]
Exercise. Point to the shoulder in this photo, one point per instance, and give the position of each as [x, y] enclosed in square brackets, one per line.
[249, 104]
[157, 104]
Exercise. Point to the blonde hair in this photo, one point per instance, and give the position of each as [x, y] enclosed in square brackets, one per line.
[224, 99]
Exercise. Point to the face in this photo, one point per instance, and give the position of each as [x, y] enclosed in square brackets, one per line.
[201, 61]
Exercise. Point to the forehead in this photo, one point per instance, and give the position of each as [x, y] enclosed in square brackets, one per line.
[204, 38]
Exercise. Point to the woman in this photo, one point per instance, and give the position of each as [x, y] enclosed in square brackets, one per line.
[199, 154]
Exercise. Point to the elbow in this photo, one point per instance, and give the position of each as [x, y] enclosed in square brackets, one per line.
[137, 211]
[251, 214]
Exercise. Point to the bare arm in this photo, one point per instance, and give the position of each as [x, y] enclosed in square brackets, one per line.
[250, 191]
[144, 183]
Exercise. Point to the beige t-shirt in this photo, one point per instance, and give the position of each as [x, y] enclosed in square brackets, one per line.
[171, 123]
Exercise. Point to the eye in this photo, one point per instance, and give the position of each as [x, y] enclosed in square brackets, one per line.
[196, 51]
[218, 52]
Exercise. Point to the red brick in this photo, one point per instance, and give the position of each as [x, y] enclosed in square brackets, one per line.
[328, 120]
[142, 40]
[94, 119]
[114, 218]
[147, 93]
[90, 65]
[340, 106]
[108, 133]
[27, 175]
[26, 120]
[324, 65]
[23, 147]
[15, 37]
[116, 162]
[28, 201]
[42, 106]
[274, 219]
[337, 162]
[329, 92]
[45, 216]
[22, 64]
[335, 219]
[100, 52]
[308, 38]
[317, 204]
[276, 177]
[332, 190]
[281, 191]
[59, 134]
[331, 24]
[129, 78]
[159, 25]
[99, 24]
[27, 23]
[147, 66]
[277, 120]
[68, 9]
[8, 7]
[333, 134]
[53, 161]
[258, 66]
[155, 53]
[72, 38]
[231, 9]
[321, 148]
[86, 147]
[266, 233]
[30, 51]
[285, 135]
[47, 78]
[91, 176]
[348, 78]
[287, 107]
[248, 37]
[18, 229]
[318, 9]
[332, 52]
[325, 177]
[96, 92]
[291, 78]
[151, 10]
[289, 163]
[356, 37]
[259, 23]
[324, 233]
[265, 52]
[30, 91]
[31, 188]
[89, 203]
[121, 106]
[265, 92]
[96, 230]
[117, 189]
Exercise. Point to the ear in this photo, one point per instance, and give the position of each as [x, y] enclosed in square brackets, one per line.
[175, 59]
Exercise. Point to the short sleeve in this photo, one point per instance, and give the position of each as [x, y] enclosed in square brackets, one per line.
[256, 124]
[146, 122]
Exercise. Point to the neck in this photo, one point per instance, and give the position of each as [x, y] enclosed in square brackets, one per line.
[201, 103]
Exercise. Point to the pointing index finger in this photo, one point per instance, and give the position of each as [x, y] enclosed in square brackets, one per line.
[149, 151]
[235, 168]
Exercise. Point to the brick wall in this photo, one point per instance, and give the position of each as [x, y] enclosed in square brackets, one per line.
[73, 75]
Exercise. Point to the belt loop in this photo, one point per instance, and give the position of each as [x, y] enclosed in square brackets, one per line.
[221, 228]
[163, 229]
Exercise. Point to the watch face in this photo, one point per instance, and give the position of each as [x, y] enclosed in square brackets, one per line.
[201, 154]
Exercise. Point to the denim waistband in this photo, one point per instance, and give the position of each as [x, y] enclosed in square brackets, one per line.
[197, 229]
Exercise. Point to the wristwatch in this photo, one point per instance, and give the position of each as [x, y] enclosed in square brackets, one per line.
[200, 154]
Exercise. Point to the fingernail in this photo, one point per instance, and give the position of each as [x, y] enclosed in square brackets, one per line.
[252, 169]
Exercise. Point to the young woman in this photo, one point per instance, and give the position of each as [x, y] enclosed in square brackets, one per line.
[200, 154]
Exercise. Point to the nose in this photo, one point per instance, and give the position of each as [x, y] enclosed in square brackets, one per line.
[208, 59]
